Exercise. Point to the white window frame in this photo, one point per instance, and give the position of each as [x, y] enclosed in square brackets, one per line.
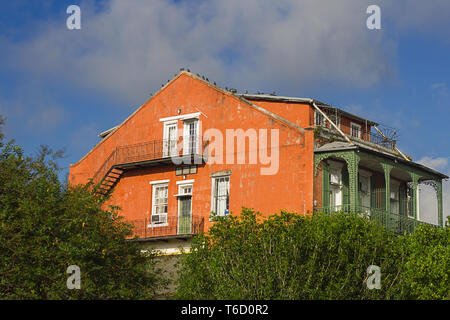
[352, 125]
[167, 125]
[214, 191]
[155, 185]
[317, 114]
[183, 183]
[186, 135]
[337, 121]
[181, 117]
[181, 186]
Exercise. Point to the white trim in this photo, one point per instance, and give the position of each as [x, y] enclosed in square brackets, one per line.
[185, 181]
[154, 186]
[186, 135]
[159, 181]
[179, 194]
[324, 122]
[173, 148]
[213, 192]
[182, 117]
[180, 187]
[418, 203]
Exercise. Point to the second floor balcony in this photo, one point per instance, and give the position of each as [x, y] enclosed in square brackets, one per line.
[167, 227]
[156, 152]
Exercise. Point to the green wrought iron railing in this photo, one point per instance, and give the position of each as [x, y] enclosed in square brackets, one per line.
[397, 223]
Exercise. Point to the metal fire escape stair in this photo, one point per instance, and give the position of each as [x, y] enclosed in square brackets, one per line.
[110, 180]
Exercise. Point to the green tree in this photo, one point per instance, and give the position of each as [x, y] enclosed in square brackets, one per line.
[46, 227]
[290, 256]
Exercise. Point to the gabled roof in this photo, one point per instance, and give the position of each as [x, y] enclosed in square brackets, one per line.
[108, 133]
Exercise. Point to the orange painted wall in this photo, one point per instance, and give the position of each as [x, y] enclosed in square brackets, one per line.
[291, 188]
[299, 113]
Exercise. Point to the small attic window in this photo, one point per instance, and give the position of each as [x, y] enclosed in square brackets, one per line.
[319, 119]
[355, 130]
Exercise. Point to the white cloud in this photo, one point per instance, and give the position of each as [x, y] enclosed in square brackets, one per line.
[440, 89]
[434, 163]
[419, 17]
[131, 47]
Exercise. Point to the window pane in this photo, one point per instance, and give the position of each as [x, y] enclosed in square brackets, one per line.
[160, 199]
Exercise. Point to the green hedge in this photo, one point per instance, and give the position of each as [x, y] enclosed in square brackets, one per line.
[290, 256]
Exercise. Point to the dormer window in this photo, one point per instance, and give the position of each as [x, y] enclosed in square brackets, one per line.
[355, 130]
[319, 119]
[336, 120]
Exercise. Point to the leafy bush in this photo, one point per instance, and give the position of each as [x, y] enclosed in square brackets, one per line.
[45, 227]
[290, 256]
[426, 269]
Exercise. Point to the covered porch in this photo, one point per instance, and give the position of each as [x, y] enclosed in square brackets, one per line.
[353, 178]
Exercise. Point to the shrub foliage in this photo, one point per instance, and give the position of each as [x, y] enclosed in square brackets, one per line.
[290, 256]
[46, 227]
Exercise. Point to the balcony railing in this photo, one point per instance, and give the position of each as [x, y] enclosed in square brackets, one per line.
[397, 223]
[174, 226]
[146, 151]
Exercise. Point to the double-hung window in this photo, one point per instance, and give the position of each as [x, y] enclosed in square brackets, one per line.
[160, 196]
[220, 195]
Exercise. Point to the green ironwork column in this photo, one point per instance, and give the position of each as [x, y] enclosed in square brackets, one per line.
[325, 185]
[387, 197]
[352, 167]
[439, 203]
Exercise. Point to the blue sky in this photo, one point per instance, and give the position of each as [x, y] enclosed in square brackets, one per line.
[62, 87]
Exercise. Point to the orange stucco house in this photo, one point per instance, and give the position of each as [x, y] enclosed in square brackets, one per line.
[194, 150]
